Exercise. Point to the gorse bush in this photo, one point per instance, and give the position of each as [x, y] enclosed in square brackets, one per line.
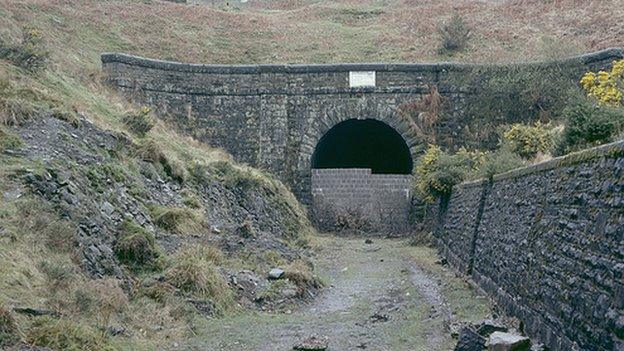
[139, 122]
[454, 35]
[437, 171]
[30, 53]
[529, 140]
[606, 87]
[514, 94]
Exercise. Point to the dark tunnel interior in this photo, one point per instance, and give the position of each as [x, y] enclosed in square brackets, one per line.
[365, 143]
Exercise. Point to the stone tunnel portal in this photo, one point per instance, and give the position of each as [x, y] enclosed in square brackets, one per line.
[361, 176]
[365, 143]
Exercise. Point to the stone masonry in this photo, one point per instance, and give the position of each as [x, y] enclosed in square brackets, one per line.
[547, 242]
[358, 200]
[273, 116]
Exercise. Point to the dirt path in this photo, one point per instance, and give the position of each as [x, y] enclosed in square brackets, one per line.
[383, 296]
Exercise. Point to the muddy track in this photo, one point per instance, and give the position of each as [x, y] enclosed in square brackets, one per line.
[379, 299]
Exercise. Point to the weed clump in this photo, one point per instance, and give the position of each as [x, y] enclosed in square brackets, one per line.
[9, 140]
[302, 276]
[455, 35]
[8, 327]
[30, 53]
[137, 247]
[64, 334]
[178, 220]
[193, 270]
[191, 200]
[150, 151]
[139, 122]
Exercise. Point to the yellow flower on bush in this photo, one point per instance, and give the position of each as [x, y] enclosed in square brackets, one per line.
[606, 87]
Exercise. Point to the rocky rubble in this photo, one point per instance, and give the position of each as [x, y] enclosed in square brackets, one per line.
[92, 178]
[492, 335]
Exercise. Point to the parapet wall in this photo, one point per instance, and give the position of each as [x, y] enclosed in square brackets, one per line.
[547, 242]
[358, 200]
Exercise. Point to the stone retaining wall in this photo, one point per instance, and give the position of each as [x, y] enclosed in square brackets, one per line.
[547, 242]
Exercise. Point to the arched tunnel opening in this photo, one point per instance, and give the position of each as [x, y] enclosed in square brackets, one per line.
[365, 143]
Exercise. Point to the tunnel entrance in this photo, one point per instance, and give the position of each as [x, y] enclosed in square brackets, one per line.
[361, 178]
[366, 143]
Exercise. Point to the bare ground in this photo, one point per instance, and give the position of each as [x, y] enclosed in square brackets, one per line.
[382, 296]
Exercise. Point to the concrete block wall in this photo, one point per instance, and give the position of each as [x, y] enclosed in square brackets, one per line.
[548, 246]
[353, 198]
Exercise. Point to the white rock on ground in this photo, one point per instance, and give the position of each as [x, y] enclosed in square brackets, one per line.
[500, 341]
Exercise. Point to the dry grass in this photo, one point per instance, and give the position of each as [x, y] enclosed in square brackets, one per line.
[193, 270]
[300, 273]
[178, 220]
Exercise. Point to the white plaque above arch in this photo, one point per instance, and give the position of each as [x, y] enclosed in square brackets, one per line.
[361, 79]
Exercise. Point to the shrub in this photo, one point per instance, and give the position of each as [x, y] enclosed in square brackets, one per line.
[454, 34]
[193, 271]
[497, 162]
[9, 140]
[606, 87]
[63, 334]
[527, 141]
[178, 220]
[136, 246]
[514, 94]
[139, 122]
[588, 124]
[422, 115]
[8, 327]
[437, 171]
[30, 53]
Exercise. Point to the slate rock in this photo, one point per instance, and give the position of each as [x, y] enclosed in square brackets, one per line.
[469, 340]
[500, 341]
[276, 273]
[312, 343]
[487, 327]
